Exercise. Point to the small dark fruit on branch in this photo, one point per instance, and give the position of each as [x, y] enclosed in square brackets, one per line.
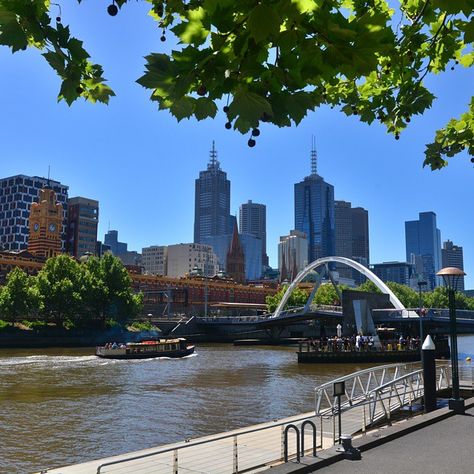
[112, 10]
[397, 136]
[58, 19]
[255, 132]
[251, 142]
[163, 38]
[228, 125]
[408, 119]
[226, 108]
[201, 90]
[472, 160]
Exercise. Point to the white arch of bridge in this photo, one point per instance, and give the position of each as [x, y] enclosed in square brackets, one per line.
[323, 262]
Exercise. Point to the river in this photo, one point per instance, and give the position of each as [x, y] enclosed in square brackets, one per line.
[64, 406]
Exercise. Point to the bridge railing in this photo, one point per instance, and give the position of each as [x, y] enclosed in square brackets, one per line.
[430, 313]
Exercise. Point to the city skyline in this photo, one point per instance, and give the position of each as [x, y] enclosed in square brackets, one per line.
[140, 164]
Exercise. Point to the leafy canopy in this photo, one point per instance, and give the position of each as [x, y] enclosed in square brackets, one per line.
[276, 60]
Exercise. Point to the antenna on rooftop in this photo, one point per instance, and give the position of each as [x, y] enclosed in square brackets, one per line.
[213, 162]
[49, 172]
[314, 156]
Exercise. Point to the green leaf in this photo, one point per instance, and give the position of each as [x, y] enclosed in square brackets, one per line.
[204, 107]
[183, 108]
[249, 106]
[55, 60]
[12, 35]
[68, 91]
[263, 23]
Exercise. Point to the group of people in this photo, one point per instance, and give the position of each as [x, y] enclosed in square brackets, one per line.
[362, 343]
[114, 345]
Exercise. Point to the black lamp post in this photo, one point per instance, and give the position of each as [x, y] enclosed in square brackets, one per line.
[420, 285]
[451, 277]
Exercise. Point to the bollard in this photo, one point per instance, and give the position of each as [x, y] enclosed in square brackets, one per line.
[429, 374]
[350, 452]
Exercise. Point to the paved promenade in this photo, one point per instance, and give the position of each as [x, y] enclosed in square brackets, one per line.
[436, 443]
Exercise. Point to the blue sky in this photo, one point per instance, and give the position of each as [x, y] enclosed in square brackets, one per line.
[141, 164]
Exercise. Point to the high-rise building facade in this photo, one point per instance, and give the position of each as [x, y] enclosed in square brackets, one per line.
[423, 244]
[452, 256]
[116, 247]
[82, 224]
[314, 213]
[183, 258]
[46, 218]
[292, 254]
[154, 259]
[253, 220]
[212, 201]
[17, 193]
[398, 272]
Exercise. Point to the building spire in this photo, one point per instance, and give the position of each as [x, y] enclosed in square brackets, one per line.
[314, 156]
[213, 161]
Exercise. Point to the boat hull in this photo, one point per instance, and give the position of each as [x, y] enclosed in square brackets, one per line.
[174, 354]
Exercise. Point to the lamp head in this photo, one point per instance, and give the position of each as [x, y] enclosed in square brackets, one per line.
[451, 276]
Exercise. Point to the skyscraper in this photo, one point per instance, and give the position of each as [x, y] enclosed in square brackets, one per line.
[212, 201]
[352, 238]
[16, 195]
[314, 212]
[83, 219]
[452, 256]
[253, 220]
[423, 247]
[292, 254]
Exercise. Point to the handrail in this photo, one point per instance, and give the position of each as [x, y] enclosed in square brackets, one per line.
[205, 441]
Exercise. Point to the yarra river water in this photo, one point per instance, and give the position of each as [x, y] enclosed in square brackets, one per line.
[63, 406]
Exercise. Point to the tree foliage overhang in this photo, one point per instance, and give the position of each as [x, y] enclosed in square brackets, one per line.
[276, 60]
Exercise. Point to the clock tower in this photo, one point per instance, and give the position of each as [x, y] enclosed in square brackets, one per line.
[46, 218]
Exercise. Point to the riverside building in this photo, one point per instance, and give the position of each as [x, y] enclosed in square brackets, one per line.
[154, 259]
[17, 193]
[183, 258]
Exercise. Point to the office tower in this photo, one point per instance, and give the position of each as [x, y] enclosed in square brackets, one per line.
[423, 247]
[183, 258]
[343, 235]
[83, 220]
[292, 254]
[154, 259]
[235, 268]
[212, 201]
[253, 220]
[17, 193]
[314, 212]
[46, 218]
[116, 247]
[452, 256]
[398, 272]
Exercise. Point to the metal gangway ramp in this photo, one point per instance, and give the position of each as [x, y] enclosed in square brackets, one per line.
[371, 395]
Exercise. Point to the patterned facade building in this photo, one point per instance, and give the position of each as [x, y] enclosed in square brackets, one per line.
[83, 221]
[212, 201]
[235, 259]
[181, 259]
[292, 254]
[154, 259]
[46, 218]
[314, 213]
[17, 193]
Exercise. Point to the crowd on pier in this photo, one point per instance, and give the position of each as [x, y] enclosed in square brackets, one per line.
[362, 343]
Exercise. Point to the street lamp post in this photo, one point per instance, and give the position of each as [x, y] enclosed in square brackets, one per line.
[420, 285]
[451, 277]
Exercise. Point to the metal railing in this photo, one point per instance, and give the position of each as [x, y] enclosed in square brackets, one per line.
[374, 394]
[234, 452]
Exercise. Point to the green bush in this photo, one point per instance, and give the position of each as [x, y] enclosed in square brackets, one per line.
[4, 324]
[36, 324]
[143, 326]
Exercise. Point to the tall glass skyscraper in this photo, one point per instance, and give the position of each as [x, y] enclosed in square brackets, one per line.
[253, 220]
[212, 201]
[423, 247]
[314, 213]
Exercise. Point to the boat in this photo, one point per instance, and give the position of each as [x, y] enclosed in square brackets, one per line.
[146, 349]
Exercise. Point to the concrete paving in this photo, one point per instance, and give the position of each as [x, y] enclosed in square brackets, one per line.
[443, 447]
